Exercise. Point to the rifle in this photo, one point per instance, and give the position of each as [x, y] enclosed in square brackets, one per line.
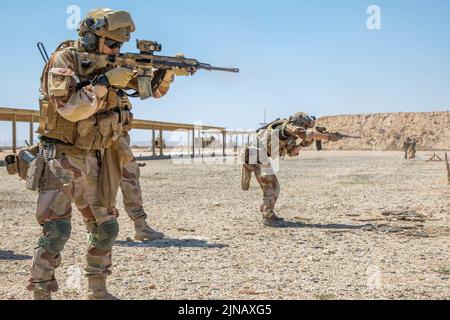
[143, 63]
[338, 134]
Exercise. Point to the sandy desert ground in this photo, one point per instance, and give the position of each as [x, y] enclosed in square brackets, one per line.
[361, 225]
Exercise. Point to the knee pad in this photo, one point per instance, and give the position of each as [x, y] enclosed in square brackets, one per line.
[107, 233]
[56, 234]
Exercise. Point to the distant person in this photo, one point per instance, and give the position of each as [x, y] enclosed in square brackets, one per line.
[409, 146]
[406, 145]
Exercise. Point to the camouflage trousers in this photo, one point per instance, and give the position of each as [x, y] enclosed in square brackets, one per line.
[78, 177]
[410, 153]
[131, 187]
[131, 191]
[270, 187]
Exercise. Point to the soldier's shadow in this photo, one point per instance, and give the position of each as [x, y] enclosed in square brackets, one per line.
[10, 255]
[171, 243]
[330, 226]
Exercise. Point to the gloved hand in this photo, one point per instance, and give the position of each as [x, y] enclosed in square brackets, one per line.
[119, 77]
[182, 71]
[334, 137]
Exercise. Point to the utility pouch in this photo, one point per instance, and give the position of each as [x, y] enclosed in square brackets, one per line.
[34, 172]
[87, 133]
[127, 120]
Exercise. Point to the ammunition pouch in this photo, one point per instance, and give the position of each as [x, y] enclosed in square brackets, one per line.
[101, 130]
[34, 172]
[52, 125]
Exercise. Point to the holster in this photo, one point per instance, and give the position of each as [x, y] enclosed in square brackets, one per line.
[34, 173]
[246, 176]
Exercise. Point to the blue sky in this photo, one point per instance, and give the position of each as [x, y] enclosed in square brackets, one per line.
[315, 56]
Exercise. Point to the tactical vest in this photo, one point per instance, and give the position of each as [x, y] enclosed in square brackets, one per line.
[51, 124]
[96, 132]
[285, 142]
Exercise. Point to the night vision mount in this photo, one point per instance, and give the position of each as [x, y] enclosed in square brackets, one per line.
[147, 46]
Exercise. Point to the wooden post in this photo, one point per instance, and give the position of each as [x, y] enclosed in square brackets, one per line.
[153, 142]
[31, 131]
[447, 166]
[193, 142]
[188, 141]
[200, 147]
[161, 143]
[14, 135]
[224, 138]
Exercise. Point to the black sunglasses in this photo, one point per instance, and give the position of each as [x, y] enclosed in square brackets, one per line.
[112, 44]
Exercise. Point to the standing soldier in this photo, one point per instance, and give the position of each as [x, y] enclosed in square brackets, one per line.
[406, 146]
[412, 151]
[83, 127]
[277, 139]
[410, 148]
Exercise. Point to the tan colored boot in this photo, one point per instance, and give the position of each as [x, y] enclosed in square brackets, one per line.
[42, 295]
[272, 220]
[97, 289]
[144, 232]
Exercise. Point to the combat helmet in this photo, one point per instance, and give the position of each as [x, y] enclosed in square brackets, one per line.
[112, 24]
[302, 119]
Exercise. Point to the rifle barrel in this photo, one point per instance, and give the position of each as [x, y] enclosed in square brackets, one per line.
[235, 70]
[211, 68]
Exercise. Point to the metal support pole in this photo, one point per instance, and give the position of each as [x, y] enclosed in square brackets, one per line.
[161, 142]
[224, 138]
[193, 143]
[153, 142]
[31, 131]
[188, 141]
[14, 135]
[200, 143]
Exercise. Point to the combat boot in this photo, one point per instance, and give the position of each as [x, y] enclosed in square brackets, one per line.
[42, 295]
[272, 220]
[97, 289]
[144, 232]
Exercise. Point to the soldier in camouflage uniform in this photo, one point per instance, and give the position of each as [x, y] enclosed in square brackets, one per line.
[412, 149]
[277, 139]
[409, 145]
[406, 146]
[84, 122]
